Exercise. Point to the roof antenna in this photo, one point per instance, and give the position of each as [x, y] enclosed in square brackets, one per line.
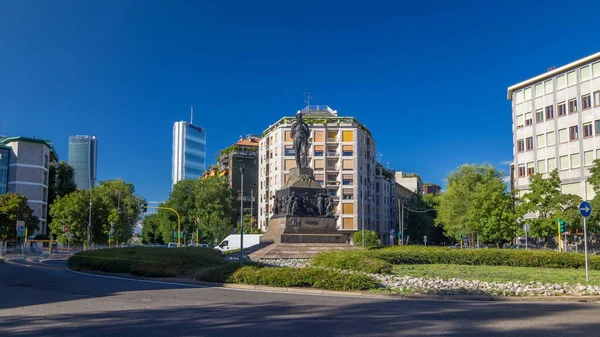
[192, 115]
[4, 121]
[308, 97]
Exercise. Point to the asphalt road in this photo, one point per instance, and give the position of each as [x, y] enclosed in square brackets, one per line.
[50, 301]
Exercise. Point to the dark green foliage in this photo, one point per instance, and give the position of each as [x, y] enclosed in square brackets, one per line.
[354, 260]
[303, 277]
[489, 257]
[147, 261]
[218, 274]
[371, 239]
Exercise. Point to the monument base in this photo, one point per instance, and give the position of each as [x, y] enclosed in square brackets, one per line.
[295, 229]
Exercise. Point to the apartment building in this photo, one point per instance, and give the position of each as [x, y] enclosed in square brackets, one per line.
[411, 181]
[27, 172]
[431, 189]
[342, 154]
[386, 205]
[556, 121]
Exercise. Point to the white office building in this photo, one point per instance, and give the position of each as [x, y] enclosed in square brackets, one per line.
[556, 124]
[189, 151]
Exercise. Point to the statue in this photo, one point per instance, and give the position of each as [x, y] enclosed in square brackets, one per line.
[321, 204]
[329, 206]
[300, 133]
[276, 202]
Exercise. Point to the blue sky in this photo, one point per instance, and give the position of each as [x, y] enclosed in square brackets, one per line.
[427, 77]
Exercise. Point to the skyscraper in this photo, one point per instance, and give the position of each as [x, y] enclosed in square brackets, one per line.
[189, 151]
[83, 152]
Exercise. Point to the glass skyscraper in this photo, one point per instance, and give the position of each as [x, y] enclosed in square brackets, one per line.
[4, 156]
[82, 156]
[189, 151]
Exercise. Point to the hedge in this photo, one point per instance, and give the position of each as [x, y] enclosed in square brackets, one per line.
[433, 255]
[352, 260]
[303, 277]
[147, 261]
[371, 239]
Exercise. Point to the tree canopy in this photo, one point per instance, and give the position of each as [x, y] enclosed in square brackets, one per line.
[13, 208]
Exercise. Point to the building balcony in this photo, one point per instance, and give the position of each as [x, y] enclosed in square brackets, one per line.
[333, 140]
[333, 154]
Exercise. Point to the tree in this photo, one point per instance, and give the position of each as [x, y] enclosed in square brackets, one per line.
[183, 199]
[61, 181]
[13, 208]
[150, 232]
[215, 206]
[250, 226]
[548, 203]
[476, 202]
[72, 211]
[121, 206]
[593, 222]
[419, 220]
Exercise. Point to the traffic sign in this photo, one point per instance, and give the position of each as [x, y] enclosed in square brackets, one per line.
[20, 228]
[69, 236]
[66, 229]
[585, 209]
[526, 227]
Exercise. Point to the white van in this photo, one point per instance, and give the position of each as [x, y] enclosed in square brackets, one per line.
[232, 242]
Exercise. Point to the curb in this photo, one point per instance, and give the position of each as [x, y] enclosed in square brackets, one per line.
[314, 291]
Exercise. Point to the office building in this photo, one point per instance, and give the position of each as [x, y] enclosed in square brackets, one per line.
[556, 121]
[386, 204]
[83, 152]
[342, 154]
[244, 152]
[189, 151]
[24, 167]
[411, 181]
[431, 189]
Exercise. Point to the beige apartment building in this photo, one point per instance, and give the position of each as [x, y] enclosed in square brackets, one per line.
[556, 124]
[28, 172]
[342, 154]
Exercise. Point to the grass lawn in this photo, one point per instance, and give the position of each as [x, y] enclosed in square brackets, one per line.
[148, 261]
[497, 273]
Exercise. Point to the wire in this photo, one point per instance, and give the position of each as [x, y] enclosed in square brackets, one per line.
[419, 211]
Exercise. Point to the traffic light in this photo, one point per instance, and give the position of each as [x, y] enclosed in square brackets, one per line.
[460, 236]
[144, 207]
[563, 226]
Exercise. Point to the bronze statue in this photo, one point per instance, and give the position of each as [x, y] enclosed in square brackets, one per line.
[300, 133]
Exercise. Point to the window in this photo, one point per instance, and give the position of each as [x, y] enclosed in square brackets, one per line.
[584, 73]
[596, 69]
[530, 169]
[586, 102]
[347, 150]
[541, 140]
[519, 96]
[528, 118]
[319, 136]
[521, 170]
[46, 161]
[561, 82]
[520, 145]
[596, 98]
[527, 94]
[587, 130]
[288, 136]
[539, 116]
[46, 178]
[551, 164]
[348, 136]
[348, 208]
[574, 132]
[572, 106]
[347, 179]
[550, 138]
[588, 158]
[319, 149]
[520, 120]
[289, 150]
[571, 78]
[564, 163]
[548, 85]
[575, 160]
[562, 136]
[539, 90]
[550, 112]
[541, 166]
[347, 194]
[348, 164]
[529, 143]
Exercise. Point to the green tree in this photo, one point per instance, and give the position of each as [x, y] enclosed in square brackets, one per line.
[13, 208]
[121, 207]
[419, 219]
[215, 205]
[150, 229]
[72, 211]
[475, 201]
[61, 181]
[546, 201]
[250, 226]
[182, 199]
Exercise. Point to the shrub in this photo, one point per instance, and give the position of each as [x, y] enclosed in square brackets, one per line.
[371, 239]
[217, 274]
[303, 277]
[352, 260]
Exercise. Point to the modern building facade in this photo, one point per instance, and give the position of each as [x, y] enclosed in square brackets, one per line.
[556, 124]
[411, 181]
[342, 154]
[386, 204]
[83, 153]
[189, 151]
[25, 161]
[244, 152]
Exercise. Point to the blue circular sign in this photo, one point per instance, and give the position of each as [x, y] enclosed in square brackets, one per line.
[585, 209]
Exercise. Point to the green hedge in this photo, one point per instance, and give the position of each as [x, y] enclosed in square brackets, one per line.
[352, 260]
[371, 239]
[432, 255]
[147, 261]
[303, 277]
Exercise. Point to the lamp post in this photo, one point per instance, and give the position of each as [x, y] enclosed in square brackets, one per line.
[242, 168]
[92, 180]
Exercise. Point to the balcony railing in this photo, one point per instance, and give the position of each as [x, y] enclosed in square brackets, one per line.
[333, 154]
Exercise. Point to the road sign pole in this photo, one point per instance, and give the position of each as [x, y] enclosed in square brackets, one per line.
[526, 239]
[587, 275]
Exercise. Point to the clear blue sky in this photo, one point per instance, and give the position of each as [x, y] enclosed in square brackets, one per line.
[428, 78]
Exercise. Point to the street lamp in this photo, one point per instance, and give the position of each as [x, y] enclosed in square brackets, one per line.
[242, 168]
[92, 180]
